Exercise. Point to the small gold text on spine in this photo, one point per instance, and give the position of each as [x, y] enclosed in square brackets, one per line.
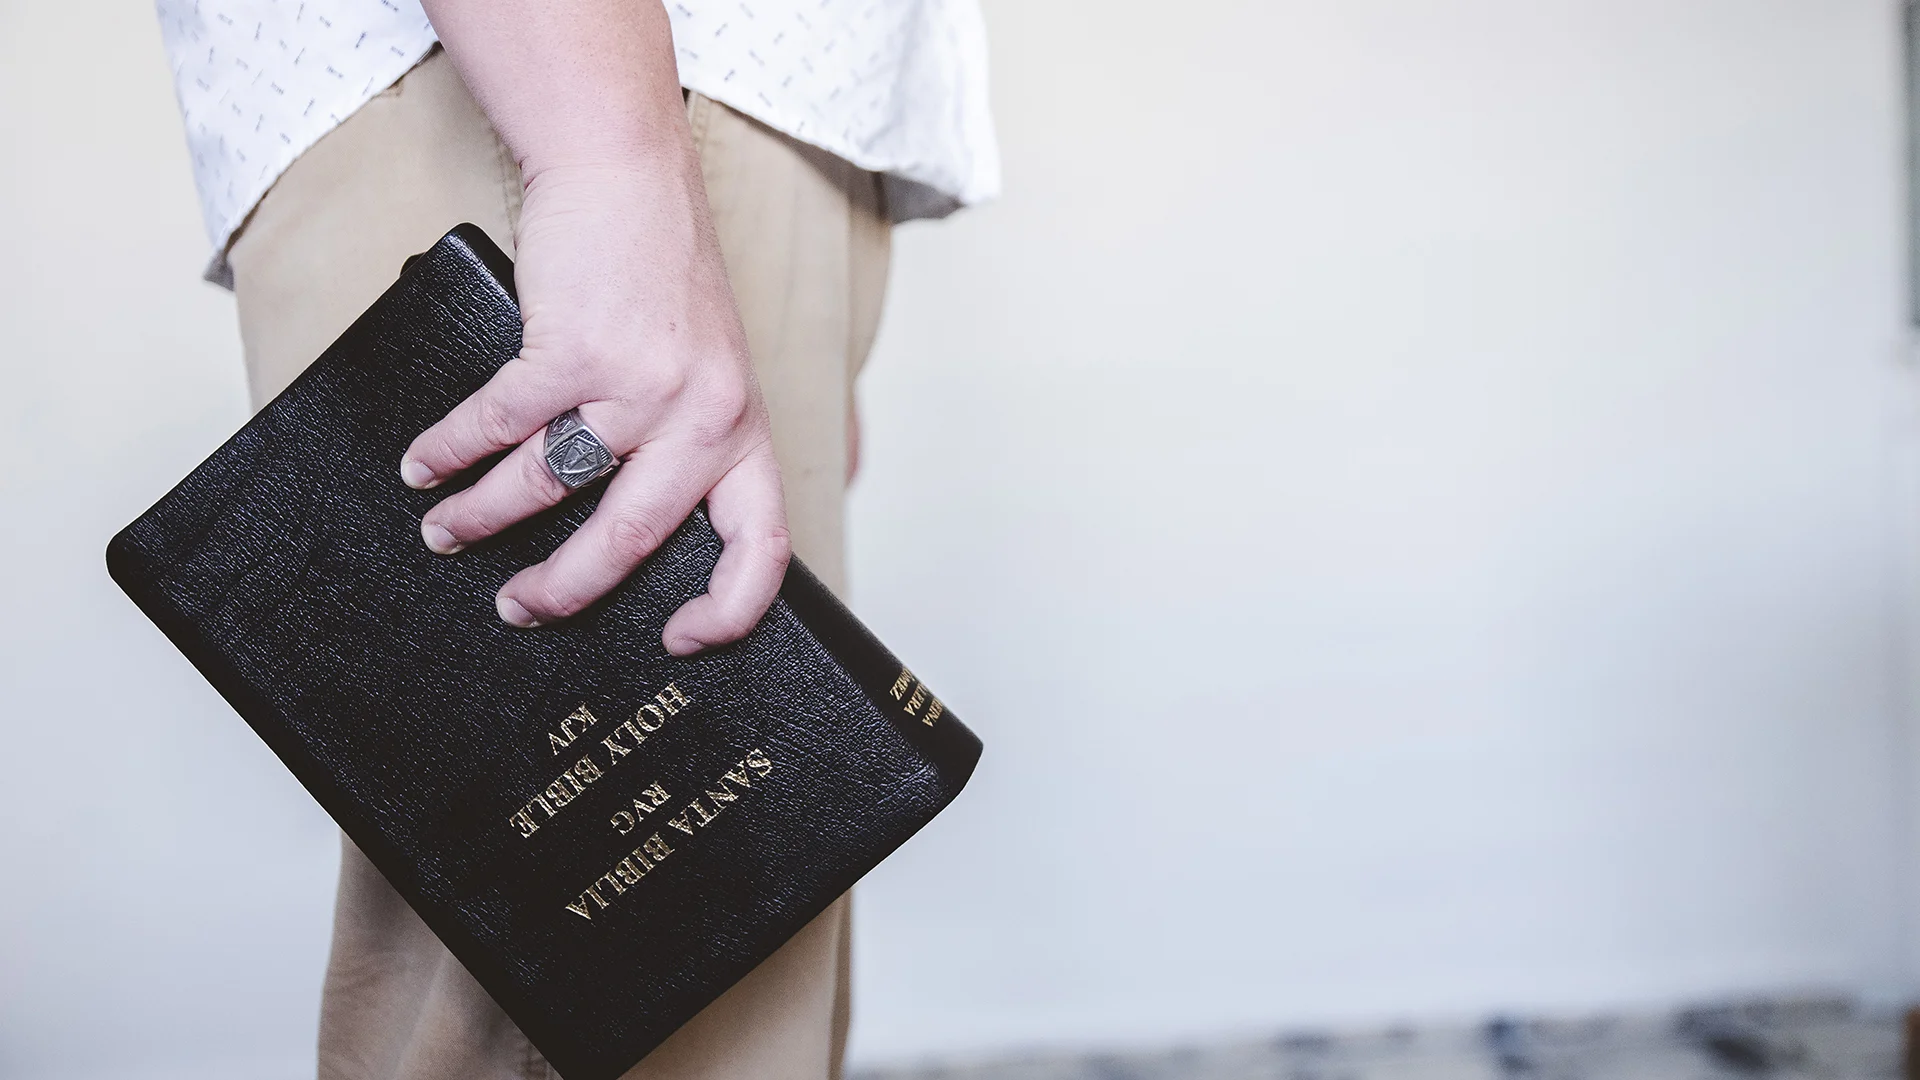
[915, 699]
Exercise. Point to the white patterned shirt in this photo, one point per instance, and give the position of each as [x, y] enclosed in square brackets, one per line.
[897, 87]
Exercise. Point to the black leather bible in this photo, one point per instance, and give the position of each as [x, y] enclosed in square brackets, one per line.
[607, 836]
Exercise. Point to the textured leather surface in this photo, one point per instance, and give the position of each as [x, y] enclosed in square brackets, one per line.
[288, 568]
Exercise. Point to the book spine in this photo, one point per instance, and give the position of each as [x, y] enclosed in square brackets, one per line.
[919, 716]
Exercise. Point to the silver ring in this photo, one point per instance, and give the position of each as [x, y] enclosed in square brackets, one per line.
[575, 455]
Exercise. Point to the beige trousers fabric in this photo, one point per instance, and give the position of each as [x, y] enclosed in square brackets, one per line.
[805, 239]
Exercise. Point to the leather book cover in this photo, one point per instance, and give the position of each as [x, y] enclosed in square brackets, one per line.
[606, 835]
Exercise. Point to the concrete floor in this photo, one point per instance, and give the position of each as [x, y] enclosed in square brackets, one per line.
[1787, 1040]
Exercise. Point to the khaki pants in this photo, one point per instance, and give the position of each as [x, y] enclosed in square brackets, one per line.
[806, 244]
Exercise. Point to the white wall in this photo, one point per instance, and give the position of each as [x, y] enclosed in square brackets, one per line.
[164, 885]
[1405, 490]
[1415, 497]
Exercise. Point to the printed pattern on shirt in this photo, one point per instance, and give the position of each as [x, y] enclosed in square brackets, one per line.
[260, 81]
[894, 86]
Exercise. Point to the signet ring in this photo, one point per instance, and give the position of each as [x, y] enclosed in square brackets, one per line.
[575, 455]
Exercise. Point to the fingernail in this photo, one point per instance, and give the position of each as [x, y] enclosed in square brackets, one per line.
[415, 474]
[512, 613]
[439, 539]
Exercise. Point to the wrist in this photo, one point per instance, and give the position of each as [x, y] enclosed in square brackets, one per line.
[660, 166]
[610, 158]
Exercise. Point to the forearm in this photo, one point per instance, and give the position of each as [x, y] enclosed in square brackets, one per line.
[571, 84]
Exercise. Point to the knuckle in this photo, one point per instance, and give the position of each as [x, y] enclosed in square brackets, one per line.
[632, 535]
[728, 627]
[724, 409]
[661, 382]
[551, 600]
[738, 620]
[437, 447]
[453, 515]
[777, 545]
[733, 401]
[471, 517]
[494, 421]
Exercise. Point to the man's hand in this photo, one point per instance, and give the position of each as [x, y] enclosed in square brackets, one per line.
[628, 316]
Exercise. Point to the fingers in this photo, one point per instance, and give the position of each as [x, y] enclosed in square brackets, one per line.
[515, 404]
[646, 500]
[749, 513]
[518, 487]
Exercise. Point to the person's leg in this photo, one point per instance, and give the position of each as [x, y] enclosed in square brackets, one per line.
[806, 241]
[806, 247]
